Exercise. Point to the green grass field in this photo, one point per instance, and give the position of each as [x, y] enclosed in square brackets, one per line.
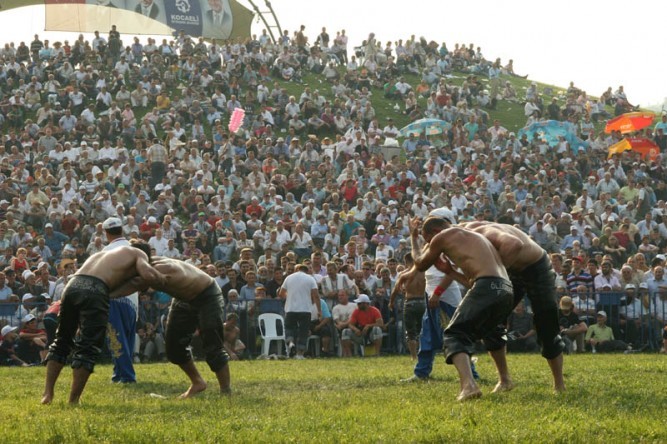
[610, 398]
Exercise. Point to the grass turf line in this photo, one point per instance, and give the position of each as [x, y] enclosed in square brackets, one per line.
[611, 398]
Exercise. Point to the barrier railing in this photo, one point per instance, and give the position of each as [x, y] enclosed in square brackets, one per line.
[635, 316]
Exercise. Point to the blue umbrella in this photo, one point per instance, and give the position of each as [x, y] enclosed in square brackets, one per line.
[429, 126]
[551, 130]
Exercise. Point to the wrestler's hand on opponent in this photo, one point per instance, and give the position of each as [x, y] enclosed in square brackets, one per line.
[443, 265]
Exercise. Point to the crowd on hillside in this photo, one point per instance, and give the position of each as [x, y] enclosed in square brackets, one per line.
[138, 130]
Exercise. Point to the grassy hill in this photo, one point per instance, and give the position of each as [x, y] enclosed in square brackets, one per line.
[510, 114]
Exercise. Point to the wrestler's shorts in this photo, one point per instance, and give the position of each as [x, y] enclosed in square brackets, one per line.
[481, 313]
[204, 313]
[84, 308]
[412, 315]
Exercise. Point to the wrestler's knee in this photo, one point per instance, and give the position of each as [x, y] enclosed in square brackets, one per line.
[496, 340]
[217, 360]
[456, 342]
[83, 362]
[554, 348]
[177, 353]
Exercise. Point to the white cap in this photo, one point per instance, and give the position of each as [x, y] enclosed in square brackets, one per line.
[27, 318]
[362, 299]
[152, 220]
[7, 329]
[49, 225]
[112, 222]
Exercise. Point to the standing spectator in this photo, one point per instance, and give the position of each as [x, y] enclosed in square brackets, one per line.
[157, 156]
[299, 291]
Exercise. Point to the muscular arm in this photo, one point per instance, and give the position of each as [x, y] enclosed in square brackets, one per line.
[127, 288]
[153, 277]
[414, 236]
[429, 255]
[398, 287]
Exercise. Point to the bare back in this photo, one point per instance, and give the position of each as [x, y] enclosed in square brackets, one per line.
[501, 235]
[471, 252]
[113, 267]
[184, 281]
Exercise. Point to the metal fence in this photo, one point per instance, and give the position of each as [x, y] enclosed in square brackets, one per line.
[635, 317]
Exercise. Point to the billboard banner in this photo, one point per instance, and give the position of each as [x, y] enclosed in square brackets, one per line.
[215, 19]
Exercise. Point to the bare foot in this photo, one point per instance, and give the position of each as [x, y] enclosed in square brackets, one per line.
[47, 398]
[468, 394]
[193, 390]
[503, 387]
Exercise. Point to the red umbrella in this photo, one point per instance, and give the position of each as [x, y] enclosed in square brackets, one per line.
[646, 147]
[629, 122]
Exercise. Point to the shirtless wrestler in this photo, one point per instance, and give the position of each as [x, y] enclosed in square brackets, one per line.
[198, 305]
[532, 275]
[85, 307]
[486, 305]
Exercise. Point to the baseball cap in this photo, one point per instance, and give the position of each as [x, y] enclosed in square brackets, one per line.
[152, 220]
[602, 313]
[112, 222]
[7, 329]
[27, 318]
[362, 299]
[49, 225]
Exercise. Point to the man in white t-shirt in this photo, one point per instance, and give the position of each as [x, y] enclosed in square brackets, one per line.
[300, 292]
[341, 316]
[158, 242]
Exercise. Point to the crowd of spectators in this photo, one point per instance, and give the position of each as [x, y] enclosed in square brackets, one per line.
[138, 130]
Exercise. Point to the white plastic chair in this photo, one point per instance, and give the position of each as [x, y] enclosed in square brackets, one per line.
[268, 328]
[316, 342]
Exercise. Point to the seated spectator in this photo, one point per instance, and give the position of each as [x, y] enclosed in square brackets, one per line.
[572, 329]
[32, 341]
[322, 326]
[365, 326]
[521, 331]
[600, 337]
[8, 356]
[232, 341]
